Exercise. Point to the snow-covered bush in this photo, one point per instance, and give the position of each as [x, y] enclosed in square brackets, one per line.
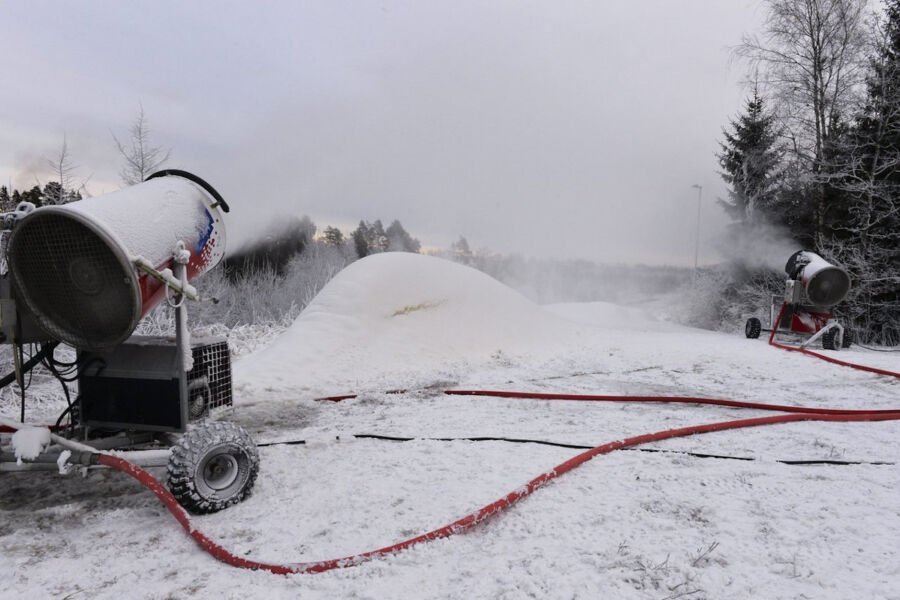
[872, 308]
[260, 299]
[703, 301]
[723, 297]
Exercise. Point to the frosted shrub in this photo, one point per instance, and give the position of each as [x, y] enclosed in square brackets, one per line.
[752, 297]
[308, 273]
[872, 308]
[725, 296]
[258, 299]
[704, 300]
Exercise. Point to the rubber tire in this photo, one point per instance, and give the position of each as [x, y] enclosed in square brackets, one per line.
[848, 338]
[829, 340]
[752, 328]
[207, 451]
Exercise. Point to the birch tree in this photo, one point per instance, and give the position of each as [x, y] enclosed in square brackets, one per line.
[810, 57]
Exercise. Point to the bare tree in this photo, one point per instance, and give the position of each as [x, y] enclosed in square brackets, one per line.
[63, 170]
[810, 57]
[141, 157]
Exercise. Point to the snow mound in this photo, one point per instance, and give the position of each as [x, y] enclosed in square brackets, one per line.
[395, 312]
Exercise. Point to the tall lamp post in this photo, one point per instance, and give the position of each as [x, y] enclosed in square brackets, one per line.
[697, 237]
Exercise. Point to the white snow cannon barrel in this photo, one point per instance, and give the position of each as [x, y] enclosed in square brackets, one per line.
[75, 266]
[825, 283]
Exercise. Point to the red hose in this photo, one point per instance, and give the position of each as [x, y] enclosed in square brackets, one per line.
[673, 399]
[335, 398]
[472, 519]
[5, 429]
[835, 361]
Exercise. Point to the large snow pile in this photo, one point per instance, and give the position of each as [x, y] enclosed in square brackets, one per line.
[391, 313]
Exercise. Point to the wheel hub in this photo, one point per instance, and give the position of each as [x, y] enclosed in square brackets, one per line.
[220, 471]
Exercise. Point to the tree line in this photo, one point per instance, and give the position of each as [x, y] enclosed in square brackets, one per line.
[52, 193]
[140, 158]
[815, 151]
[288, 238]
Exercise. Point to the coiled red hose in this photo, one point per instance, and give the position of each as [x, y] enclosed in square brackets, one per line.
[479, 516]
[830, 359]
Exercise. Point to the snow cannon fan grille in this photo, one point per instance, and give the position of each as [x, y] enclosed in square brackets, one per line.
[74, 278]
[825, 283]
[828, 287]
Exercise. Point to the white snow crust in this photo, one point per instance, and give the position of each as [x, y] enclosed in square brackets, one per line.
[148, 219]
[629, 525]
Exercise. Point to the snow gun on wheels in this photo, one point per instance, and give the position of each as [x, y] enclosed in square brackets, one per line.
[83, 274]
[813, 287]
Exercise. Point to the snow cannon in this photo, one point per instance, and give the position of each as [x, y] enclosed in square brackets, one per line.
[85, 273]
[814, 285]
[89, 270]
[824, 283]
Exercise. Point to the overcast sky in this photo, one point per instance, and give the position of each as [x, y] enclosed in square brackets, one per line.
[555, 128]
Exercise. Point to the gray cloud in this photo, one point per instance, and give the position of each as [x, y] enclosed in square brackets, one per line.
[567, 129]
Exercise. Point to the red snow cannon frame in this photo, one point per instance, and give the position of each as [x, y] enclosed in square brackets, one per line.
[813, 286]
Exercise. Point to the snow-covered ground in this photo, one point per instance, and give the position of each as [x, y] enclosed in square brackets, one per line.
[631, 524]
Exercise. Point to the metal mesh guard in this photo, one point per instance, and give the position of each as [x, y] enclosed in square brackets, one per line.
[73, 281]
[209, 382]
[828, 287]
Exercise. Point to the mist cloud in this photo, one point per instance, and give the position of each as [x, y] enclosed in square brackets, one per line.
[570, 130]
[762, 246]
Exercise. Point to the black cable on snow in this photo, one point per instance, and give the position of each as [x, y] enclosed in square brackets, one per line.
[391, 438]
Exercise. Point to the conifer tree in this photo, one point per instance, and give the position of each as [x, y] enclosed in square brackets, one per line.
[750, 159]
[333, 236]
[360, 238]
[399, 240]
[34, 195]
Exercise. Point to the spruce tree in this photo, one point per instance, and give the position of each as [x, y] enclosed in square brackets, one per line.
[378, 240]
[360, 238]
[34, 195]
[333, 236]
[750, 158]
[399, 240]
